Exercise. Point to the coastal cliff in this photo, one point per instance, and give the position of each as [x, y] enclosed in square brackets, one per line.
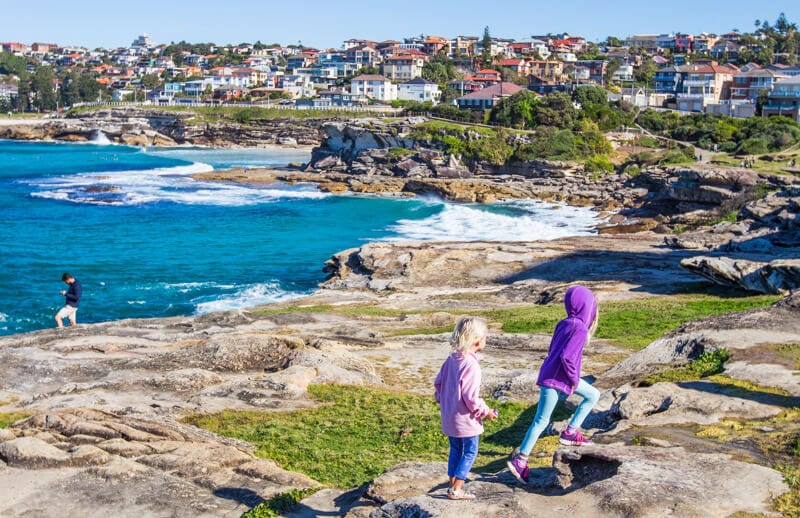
[154, 127]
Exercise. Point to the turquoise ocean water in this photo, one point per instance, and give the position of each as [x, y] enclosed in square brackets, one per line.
[146, 240]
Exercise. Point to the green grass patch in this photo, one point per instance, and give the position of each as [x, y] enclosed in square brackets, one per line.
[632, 324]
[9, 418]
[357, 433]
[278, 504]
[708, 364]
[396, 153]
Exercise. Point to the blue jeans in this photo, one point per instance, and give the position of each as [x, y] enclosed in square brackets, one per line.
[548, 397]
[463, 451]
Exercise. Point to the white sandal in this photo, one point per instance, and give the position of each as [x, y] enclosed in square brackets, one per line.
[460, 494]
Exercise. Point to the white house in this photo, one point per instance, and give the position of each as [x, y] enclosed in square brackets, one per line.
[297, 85]
[420, 90]
[373, 87]
[623, 73]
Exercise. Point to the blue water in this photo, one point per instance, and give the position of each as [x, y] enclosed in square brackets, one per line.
[146, 240]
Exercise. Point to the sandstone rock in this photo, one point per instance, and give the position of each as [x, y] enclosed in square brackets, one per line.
[407, 479]
[32, 453]
[88, 455]
[775, 277]
[646, 481]
[135, 139]
[262, 469]
[333, 187]
[674, 349]
[125, 448]
[686, 402]
[6, 435]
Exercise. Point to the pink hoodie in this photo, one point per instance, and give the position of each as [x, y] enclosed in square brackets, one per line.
[458, 387]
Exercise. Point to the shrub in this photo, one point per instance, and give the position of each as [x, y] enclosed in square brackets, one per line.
[644, 157]
[673, 157]
[632, 170]
[754, 146]
[645, 141]
[243, 116]
[599, 163]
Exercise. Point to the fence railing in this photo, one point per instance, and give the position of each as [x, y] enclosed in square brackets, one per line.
[276, 106]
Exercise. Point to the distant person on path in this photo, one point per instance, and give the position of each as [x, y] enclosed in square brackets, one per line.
[560, 374]
[73, 294]
[458, 387]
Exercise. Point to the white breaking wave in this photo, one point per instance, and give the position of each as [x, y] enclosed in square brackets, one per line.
[3, 317]
[100, 139]
[171, 184]
[238, 157]
[528, 220]
[245, 297]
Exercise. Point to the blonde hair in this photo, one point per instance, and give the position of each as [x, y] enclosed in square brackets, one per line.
[468, 331]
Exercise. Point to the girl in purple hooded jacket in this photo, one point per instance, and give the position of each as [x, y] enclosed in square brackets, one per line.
[560, 374]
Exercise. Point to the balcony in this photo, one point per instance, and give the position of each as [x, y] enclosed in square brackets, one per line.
[696, 97]
[706, 83]
[784, 94]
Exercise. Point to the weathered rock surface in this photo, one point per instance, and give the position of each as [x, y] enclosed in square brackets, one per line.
[645, 481]
[106, 399]
[779, 276]
[137, 466]
[606, 480]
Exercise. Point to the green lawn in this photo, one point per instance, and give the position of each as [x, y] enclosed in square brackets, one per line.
[357, 433]
[632, 324]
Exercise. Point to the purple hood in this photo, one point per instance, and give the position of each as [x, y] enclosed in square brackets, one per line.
[561, 369]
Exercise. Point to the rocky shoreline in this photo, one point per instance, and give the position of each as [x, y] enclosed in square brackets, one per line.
[106, 400]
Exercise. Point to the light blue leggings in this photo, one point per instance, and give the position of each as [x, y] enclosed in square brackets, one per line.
[548, 397]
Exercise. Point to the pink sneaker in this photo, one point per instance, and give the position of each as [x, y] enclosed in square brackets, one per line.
[518, 466]
[574, 439]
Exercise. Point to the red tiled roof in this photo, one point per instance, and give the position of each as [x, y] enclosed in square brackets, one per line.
[715, 69]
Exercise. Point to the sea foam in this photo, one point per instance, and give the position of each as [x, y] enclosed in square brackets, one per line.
[528, 220]
[167, 184]
[244, 297]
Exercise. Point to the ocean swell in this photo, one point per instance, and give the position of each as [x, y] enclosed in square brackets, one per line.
[519, 220]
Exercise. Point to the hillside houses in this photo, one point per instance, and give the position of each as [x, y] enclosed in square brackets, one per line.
[682, 71]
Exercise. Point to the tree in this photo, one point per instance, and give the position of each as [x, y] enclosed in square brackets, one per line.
[11, 64]
[519, 110]
[556, 110]
[151, 81]
[645, 72]
[486, 44]
[590, 95]
[611, 68]
[435, 72]
[43, 89]
[88, 88]
[69, 90]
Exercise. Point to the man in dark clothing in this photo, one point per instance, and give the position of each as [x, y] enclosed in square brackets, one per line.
[73, 295]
